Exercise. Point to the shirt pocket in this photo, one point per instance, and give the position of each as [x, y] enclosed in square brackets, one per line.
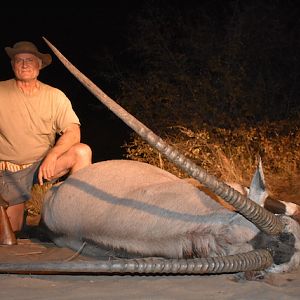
[42, 126]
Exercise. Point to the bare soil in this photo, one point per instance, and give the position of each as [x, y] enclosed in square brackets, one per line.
[226, 286]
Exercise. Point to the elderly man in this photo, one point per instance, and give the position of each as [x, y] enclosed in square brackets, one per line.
[39, 131]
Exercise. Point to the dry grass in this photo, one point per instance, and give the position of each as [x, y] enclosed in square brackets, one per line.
[232, 154]
[34, 205]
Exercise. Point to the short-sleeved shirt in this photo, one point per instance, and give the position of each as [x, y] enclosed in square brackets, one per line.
[29, 123]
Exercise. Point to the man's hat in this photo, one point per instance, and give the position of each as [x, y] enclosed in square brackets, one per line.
[28, 47]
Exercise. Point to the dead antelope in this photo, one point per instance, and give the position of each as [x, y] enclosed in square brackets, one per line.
[129, 209]
[149, 221]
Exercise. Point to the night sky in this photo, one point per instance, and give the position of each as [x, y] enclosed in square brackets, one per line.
[79, 33]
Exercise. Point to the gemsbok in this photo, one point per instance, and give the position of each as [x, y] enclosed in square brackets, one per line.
[137, 218]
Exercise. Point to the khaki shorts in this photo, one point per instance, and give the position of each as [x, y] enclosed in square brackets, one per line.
[15, 187]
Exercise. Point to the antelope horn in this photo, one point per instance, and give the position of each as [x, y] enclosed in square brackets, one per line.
[250, 261]
[263, 219]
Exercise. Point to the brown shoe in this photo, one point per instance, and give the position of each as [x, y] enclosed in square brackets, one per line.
[7, 236]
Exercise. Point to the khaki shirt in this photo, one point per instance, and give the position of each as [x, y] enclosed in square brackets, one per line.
[29, 124]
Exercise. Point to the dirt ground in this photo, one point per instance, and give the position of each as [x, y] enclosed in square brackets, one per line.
[145, 287]
[227, 286]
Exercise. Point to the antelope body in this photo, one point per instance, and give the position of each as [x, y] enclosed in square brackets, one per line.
[132, 209]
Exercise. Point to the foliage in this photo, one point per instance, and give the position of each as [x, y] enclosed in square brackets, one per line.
[211, 63]
[231, 154]
[34, 205]
[218, 80]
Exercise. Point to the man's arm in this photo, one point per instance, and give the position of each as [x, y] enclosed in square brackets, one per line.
[70, 137]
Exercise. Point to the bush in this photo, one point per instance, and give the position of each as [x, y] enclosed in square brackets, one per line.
[231, 154]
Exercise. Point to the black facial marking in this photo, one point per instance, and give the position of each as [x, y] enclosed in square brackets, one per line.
[281, 247]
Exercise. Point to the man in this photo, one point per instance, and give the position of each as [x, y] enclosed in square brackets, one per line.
[32, 116]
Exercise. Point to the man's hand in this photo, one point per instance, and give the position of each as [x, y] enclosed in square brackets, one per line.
[47, 167]
[69, 137]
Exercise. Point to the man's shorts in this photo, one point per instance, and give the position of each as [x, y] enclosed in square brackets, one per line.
[15, 187]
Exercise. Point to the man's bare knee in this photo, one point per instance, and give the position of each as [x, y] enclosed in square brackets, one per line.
[83, 152]
[83, 157]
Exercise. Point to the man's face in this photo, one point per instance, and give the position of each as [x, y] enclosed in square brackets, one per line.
[26, 66]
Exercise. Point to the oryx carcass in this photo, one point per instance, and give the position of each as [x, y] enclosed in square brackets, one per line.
[149, 221]
[123, 208]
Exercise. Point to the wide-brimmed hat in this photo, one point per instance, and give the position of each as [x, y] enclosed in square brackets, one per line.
[28, 47]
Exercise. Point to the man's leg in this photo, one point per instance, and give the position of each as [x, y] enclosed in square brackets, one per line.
[18, 190]
[78, 157]
[15, 214]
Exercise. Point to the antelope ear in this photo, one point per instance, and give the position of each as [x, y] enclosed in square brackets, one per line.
[257, 191]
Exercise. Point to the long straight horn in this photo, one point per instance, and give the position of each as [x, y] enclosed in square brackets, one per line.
[263, 219]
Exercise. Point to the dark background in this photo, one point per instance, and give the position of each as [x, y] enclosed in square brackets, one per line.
[85, 34]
